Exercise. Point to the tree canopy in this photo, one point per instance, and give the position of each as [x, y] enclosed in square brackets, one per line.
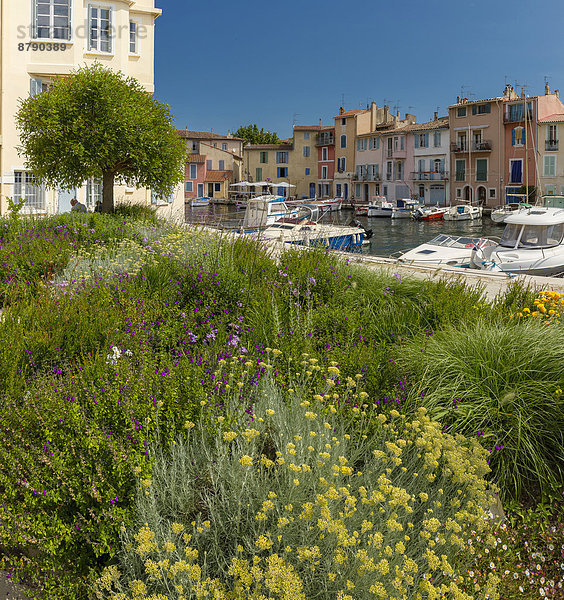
[253, 135]
[97, 123]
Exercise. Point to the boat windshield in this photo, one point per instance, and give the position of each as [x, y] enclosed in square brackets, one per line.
[532, 236]
[455, 242]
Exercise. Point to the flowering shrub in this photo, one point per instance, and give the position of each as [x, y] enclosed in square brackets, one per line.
[296, 502]
[527, 554]
[548, 307]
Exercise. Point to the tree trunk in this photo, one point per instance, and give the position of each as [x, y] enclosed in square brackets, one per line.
[108, 191]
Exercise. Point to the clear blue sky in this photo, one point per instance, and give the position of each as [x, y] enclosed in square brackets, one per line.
[222, 64]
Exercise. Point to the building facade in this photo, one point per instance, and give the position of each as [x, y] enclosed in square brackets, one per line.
[551, 154]
[293, 162]
[213, 163]
[45, 39]
[429, 161]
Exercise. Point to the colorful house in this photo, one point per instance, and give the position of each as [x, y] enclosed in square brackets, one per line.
[551, 165]
[214, 162]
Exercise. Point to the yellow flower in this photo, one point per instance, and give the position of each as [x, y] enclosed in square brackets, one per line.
[229, 436]
[246, 461]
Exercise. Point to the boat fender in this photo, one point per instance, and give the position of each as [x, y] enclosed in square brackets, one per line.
[368, 233]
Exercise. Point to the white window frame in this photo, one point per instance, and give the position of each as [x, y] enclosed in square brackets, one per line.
[25, 186]
[224, 146]
[492, 193]
[511, 161]
[306, 135]
[189, 186]
[324, 153]
[307, 151]
[96, 47]
[324, 172]
[546, 159]
[51, 26]
[93, 192]
[160, 201]
[487, 169]
[137, 50]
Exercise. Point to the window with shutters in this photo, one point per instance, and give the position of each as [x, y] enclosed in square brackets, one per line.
[324, 154]
[222, 165]
[93, 192]
[258, 173]
[437, 139]
[307, 150]
[263, 158]
[549, 166]
[461, 111]
[52, 19]
[343, 141]
[281, 157]
[193, 171]
[482, 169]
[133, 37]
[460, 166]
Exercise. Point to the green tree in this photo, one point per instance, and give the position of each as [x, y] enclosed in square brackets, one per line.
[100, 124]
[253, 135]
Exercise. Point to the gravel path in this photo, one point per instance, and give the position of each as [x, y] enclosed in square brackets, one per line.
[8, 591]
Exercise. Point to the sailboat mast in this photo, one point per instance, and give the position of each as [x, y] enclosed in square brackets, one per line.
[526, 154]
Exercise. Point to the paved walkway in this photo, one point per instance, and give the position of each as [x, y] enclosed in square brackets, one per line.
[9, 591]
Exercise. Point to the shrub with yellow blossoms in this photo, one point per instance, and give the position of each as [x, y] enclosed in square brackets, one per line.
[548, 307]
[295, 507]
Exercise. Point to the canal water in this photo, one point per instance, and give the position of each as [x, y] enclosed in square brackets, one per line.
[390, 235]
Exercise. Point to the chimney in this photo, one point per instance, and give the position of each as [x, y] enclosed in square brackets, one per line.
[341, 110]
[458, 99]
[546, 89]
[436, 116]
[556, 93]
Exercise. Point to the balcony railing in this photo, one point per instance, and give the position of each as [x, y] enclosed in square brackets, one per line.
[518, 117]
[429, 175]
[551, 145]
[325, 140]
[366, 177]
[460, 147]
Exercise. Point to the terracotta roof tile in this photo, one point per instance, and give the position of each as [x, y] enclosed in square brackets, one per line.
[350, 113]
[218, 176]
[205, 135]
[268, 147]
[307, 127]
[557, 118]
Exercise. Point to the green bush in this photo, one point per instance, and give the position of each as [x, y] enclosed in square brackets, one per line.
[502, 383]
[299, 502]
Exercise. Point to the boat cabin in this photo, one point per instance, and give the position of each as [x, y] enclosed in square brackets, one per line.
[534, 229]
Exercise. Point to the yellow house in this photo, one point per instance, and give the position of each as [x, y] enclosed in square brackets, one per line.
[45, 39]
[294, 162]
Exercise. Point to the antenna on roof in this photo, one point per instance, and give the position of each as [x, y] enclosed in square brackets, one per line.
[465, 87]
[397, 106]
[386, 102]
[411, 107]
[294, 119]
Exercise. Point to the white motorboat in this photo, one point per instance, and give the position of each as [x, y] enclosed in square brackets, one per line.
[404, 208]
[532, 243]
[500, 213]
[429, 213]
[263, 211]
[444, 250]
[304, 232]
[380, 207]
[462, 212]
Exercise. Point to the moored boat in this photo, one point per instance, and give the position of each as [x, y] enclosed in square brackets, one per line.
[429, 213]
[380, 207]
[500, 213]
[195, 202]
[404, 208]
[532, 243]
[463, 212]
[444, 250]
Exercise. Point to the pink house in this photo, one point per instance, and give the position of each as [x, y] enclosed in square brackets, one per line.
[325, 161]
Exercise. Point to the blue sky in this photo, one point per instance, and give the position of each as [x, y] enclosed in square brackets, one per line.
[222, 64]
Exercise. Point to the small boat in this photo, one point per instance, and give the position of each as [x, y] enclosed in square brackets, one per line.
[329, 205]
[304, 232]
[444, 250]
[380, 207]
[404, 208]
[500, 213]
[462, 212]
[429, 213]
[532, 243]
[263, 211]
[195, 202]
[361, 210]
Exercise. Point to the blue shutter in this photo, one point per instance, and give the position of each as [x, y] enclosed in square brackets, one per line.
[426, 140]
[524, 135]
[473, 109]
[513, 137]
[442, 165]
[35, 86]
[416, 140]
